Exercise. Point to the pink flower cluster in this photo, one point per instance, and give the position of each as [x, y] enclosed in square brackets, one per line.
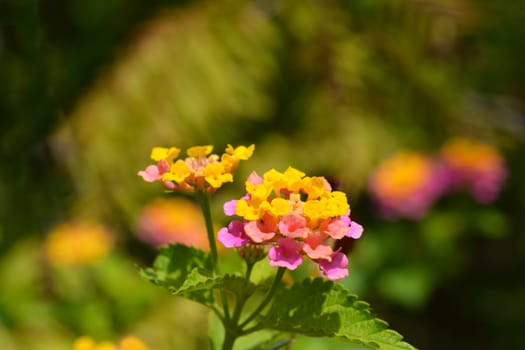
[296, 217]
[477, 167]
[408, 183]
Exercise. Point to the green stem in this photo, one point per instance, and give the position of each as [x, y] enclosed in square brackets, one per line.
[204, 202]
[268, 298]
[231, 334]
[229, 340]
[242, 297]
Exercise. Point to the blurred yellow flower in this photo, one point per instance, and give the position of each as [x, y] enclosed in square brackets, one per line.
[132, 343]
[77, 244]
[127, 343]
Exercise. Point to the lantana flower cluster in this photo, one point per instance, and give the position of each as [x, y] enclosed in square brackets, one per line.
[199, 171]
[408, 183]
[296, 216]
[477, 167]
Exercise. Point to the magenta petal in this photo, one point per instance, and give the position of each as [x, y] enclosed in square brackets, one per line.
[229, 207]
[345, 219]
[356, 230]
[233, 235]
[335, 269]
[285, 254]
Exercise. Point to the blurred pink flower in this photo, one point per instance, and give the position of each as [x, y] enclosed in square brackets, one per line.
[407, 184]
[475, 166]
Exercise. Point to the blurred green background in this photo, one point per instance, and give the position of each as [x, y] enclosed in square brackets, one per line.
[87, 88]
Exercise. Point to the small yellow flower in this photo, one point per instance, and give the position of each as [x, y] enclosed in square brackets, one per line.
[315, 187]
[199, 151]
[247, 211]
[272, 177]
[294, 179]
[179, 171]
[241, 152]
[312, 209]
[159, 153]
[215, 176]
[280, 206]
[258, 192]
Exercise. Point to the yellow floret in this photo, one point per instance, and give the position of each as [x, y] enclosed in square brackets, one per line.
[199, 151]
[241, 152]
[280, 206]
[169, 154]
[215, 176]
[179, 171]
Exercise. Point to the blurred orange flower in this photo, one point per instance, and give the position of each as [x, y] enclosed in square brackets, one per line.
[476, 166]
[77, 243]
[407, 184]
[174, 220]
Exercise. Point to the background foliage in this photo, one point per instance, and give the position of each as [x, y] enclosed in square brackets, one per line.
[87, 88]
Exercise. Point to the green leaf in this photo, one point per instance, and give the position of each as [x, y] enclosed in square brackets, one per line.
[184, 271]
[317, 307]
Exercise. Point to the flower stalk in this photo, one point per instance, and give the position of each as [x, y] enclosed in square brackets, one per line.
[204, 202]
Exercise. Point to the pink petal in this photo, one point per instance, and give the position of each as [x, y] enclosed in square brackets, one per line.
[337, 228]
[293, 226]
[151, 174]
[356, 230]
[229, 207]
[233, 235]
[335, 269]
[256, 234]
[322, 251]
[163, 166]
[254, 178]
[285, 254]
